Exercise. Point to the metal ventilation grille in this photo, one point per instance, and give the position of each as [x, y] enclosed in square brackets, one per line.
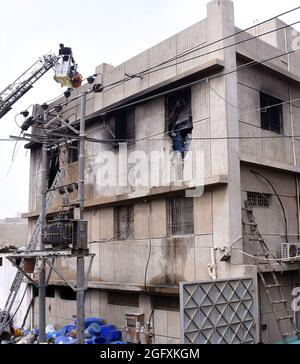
[123, 299]
[259, 199]
[219, 312]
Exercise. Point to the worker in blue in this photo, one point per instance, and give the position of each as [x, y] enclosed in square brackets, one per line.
[180, 127]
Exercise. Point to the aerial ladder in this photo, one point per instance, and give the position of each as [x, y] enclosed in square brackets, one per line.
[17, 89]
[65, 73]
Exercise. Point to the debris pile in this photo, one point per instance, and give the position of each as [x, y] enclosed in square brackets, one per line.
[96, 332]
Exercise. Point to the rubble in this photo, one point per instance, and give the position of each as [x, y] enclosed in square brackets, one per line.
[96, 332]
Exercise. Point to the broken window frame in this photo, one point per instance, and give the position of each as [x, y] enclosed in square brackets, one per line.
[171, 102]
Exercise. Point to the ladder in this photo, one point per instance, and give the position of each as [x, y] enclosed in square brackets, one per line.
[273, 288]
[32, 244]
[13, 92]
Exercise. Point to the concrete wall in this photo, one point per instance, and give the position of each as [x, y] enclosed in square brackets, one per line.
[61, 312]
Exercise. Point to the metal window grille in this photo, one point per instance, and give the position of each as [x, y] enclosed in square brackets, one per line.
[262, 200]
[166, 303]
[123, 299]
[181, 216]
[271, 113]
[123, 223]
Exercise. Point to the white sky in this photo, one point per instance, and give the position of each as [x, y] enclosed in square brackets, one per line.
[98, 31]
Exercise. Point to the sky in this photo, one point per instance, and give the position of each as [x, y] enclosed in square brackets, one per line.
[98, 31]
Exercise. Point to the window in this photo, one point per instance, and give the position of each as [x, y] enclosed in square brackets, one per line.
[123, 299]
[50, 291]
[259, 199]
[66, 293]
[53, 167]
[181, 216]
[73, 152]
[271, 117]
[166, 303]
[125, 125]
[1, 262]
[123, 223]
[176, 103]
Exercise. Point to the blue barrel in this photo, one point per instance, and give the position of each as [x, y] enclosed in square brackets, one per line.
[99, 340]
[89, 341]
[106, 328]
[61, 340]
[65, 330]
[114, 335]
[53, 335]
[94, 329]
[90, 320]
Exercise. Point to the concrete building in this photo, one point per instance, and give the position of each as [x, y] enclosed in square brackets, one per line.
[147, 241]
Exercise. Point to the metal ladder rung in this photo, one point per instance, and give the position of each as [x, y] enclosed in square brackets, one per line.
[279, 302]
[251, 224]
[290, 317]
[273, 285]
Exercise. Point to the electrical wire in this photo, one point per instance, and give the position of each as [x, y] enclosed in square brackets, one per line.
[207, 45]
[183, 54]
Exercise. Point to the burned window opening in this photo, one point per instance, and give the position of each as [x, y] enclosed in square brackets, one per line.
[271, 113]
[179, 120]
[125, 125]
[123, 223]
[53, 166]
[73, 152]
[66, 293]
[181, 216]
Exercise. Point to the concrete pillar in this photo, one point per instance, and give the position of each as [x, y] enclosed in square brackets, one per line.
[224, 123]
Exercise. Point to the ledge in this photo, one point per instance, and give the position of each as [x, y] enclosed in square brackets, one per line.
[154, 193]
[245, 158]
[111, 286]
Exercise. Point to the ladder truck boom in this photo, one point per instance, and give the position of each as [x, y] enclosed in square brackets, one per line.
[13, 92]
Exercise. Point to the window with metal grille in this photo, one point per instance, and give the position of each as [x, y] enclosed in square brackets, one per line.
[259, 199]
[271, 113]
[166, 303]
[123, 299]
[123, 223]
[73, 152]
[181, 216]
[125, 125]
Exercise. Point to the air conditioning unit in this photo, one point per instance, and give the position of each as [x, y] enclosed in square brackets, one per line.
[290, 252]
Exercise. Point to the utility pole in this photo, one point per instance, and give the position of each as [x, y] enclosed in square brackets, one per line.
[42, 273]
[80, 258]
